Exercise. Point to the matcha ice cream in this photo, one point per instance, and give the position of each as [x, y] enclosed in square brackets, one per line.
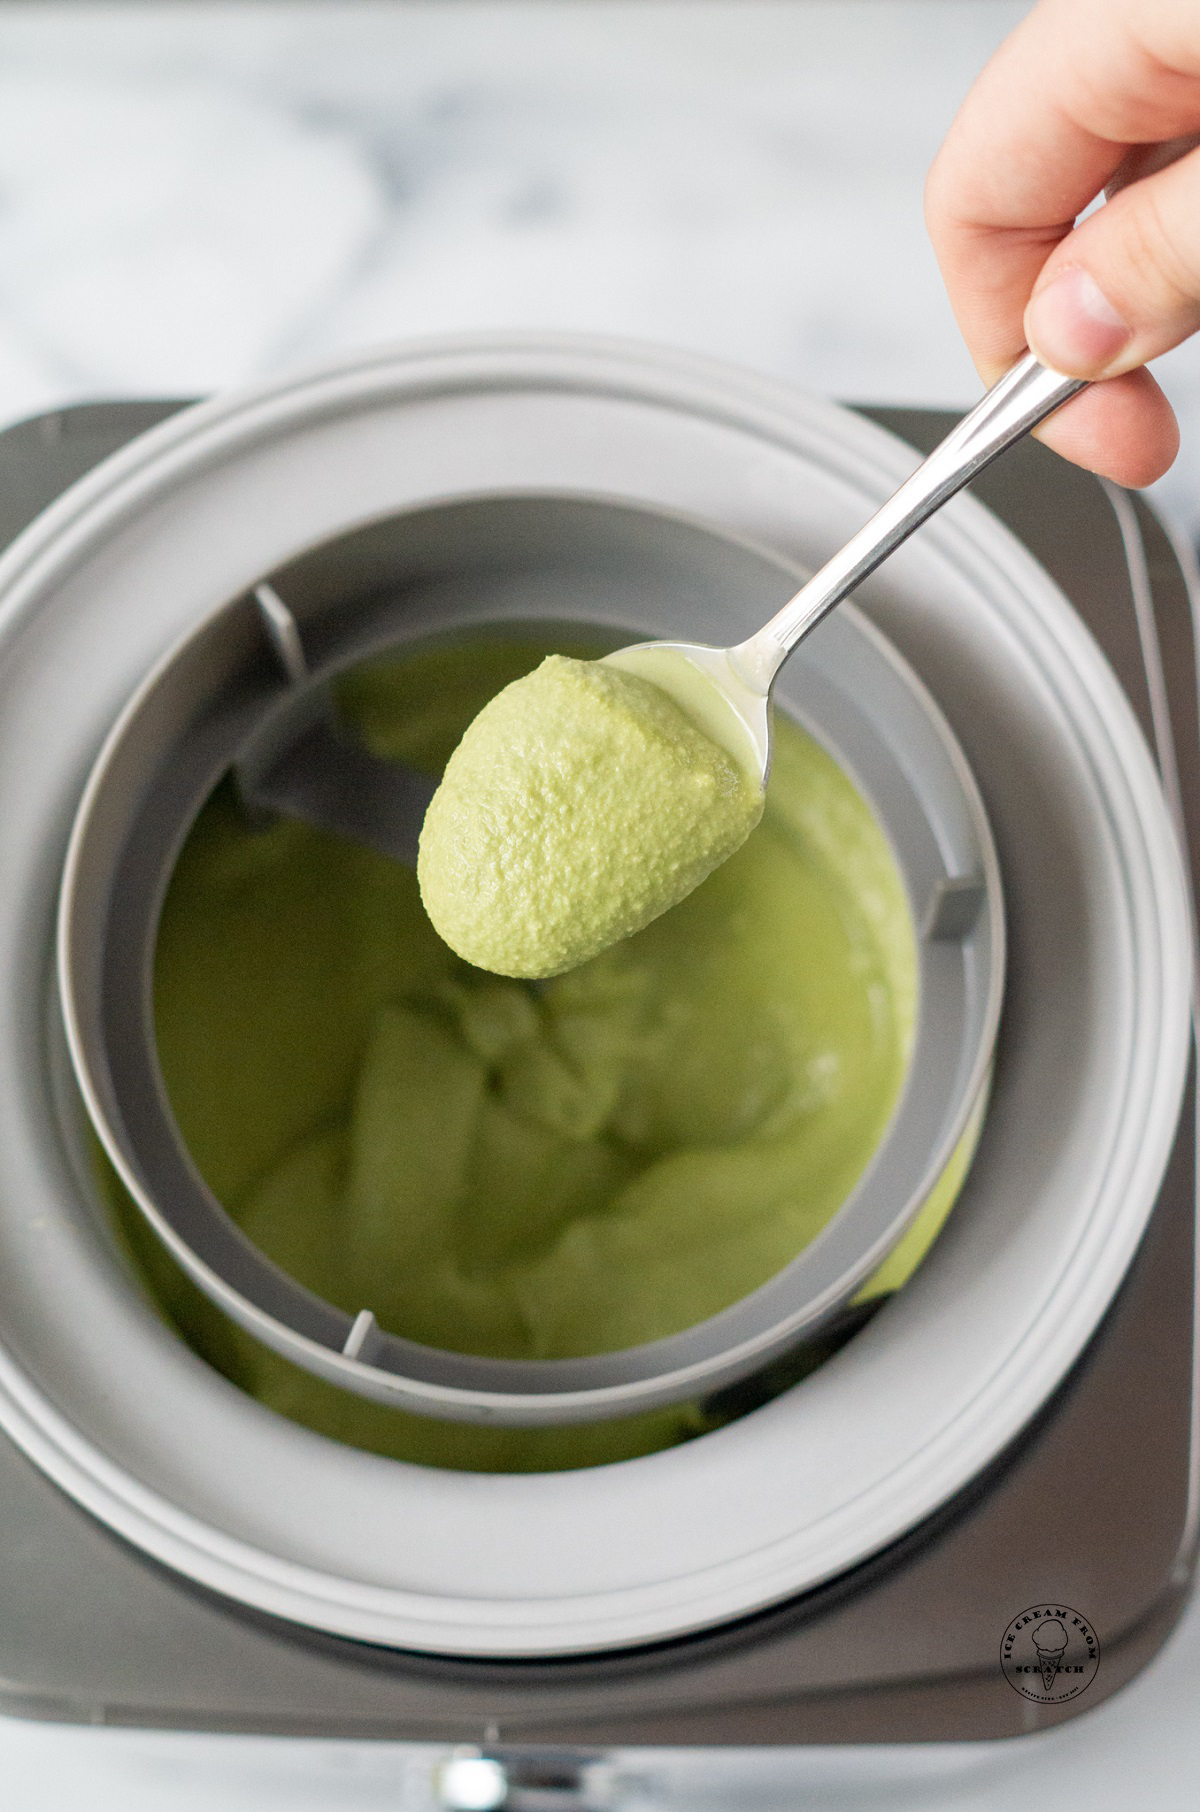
[581, 803]
[600, 1161]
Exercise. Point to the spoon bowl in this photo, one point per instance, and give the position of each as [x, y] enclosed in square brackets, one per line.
[708, 687]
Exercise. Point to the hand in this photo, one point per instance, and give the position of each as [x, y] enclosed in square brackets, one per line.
[1086, 95]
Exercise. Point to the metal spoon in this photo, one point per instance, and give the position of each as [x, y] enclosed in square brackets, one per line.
[728, 690]
[302, 764]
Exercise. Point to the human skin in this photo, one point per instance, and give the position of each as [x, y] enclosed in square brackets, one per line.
[1085, 96]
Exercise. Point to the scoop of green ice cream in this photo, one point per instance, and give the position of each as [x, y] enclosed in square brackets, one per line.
[581, 804]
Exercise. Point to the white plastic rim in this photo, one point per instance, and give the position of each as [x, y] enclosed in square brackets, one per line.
[1092, 1063]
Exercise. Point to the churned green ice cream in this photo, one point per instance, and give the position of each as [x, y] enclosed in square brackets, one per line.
[581, 803]
[600, 1161]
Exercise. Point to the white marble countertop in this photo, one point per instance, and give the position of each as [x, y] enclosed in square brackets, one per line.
[193, 195]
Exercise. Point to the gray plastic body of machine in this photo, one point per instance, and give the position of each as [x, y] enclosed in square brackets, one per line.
[1094, 1507]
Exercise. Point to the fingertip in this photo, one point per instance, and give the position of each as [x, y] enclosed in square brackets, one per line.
[1072, 326]
[1123, 429]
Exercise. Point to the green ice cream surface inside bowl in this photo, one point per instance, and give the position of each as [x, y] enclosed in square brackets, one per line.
[603, 1160]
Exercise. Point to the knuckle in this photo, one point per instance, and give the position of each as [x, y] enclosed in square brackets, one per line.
[937, 199]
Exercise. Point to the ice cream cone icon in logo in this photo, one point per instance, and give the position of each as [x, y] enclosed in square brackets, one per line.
[1049, 1653]
[1050, 1644]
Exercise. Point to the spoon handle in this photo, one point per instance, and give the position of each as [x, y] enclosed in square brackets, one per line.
[1024, 396]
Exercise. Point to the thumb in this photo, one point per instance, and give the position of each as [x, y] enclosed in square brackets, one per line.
[1124, 285]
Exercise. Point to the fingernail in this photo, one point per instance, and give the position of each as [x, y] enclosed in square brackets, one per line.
[1072, 325]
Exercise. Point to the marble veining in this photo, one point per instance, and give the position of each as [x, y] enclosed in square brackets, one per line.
[191, 196]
